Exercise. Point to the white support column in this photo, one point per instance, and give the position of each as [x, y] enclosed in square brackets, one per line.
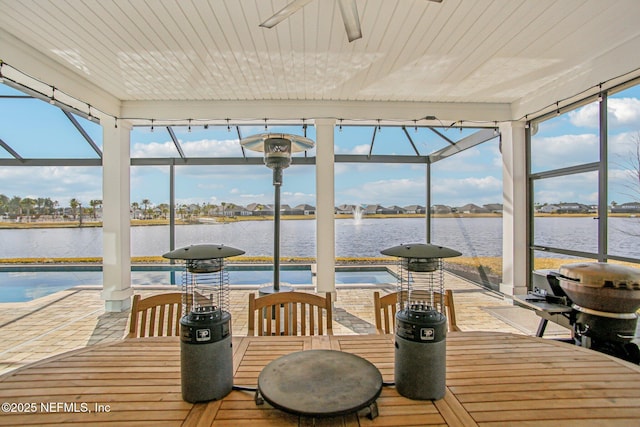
[116, 233]
[514, 217]
[325, 206]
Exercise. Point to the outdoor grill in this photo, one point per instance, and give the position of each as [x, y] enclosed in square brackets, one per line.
[205, 338]
[604, 299]
[421, 323]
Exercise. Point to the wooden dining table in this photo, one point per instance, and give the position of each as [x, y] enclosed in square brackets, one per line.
[493, 379]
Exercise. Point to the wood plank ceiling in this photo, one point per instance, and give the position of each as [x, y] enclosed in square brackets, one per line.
[484, 52]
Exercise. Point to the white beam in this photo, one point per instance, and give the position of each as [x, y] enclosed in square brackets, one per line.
[116, 232]
[325, 205]
[515, 209]
[359, 111]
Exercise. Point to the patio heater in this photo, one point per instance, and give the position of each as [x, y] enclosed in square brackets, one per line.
[206, 358]
[277, 148]
[421, 323]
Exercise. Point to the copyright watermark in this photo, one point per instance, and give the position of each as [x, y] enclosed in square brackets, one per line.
[53, 407]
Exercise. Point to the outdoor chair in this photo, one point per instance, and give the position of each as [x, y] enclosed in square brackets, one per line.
[155, 316]
[290, 313]
[385, 310]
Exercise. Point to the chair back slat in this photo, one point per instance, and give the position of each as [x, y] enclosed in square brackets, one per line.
[385, 310]
[294, 316]
[290, 313]
[303, 315]
[157, 315]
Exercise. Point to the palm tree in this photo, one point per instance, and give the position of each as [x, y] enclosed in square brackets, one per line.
[182, 210]
[73, 204]
[145, 203]
[14, 206]
[48, 206]
[4, 204]
[28, 204]
[165, 210]
[134, 207]
[40, 203]
[93, 204]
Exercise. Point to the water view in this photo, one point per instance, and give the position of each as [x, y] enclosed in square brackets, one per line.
[361, 237]
[474, 237]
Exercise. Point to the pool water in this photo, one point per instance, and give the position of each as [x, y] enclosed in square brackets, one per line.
[19, 285]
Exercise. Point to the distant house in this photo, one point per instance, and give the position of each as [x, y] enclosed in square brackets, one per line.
[395, 210]
[230, 210]
[572, 208]
[373, 209]
[415, 209]
[470, 208]
[550, 209]
[631, 207]
[258, 209]
[287, 210]
[345, 209]
[305, 209]
[441, 209]
[218, 211]
[134, 214]
[494, 207]
[240, 210]
[381, 210]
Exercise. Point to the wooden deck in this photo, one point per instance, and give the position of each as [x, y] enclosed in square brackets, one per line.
[493, 379]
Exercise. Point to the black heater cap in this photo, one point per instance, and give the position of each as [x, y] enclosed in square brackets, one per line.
[420, 250]
[203, 251]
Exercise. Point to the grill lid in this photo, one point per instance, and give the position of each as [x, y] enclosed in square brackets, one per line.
[602, 275]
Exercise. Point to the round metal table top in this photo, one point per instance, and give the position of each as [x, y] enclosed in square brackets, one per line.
[320, 383]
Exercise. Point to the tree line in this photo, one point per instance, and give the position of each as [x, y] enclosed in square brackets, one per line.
[43, 206]
[18, 207]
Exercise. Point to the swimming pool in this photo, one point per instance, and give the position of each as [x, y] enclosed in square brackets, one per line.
[19, 284]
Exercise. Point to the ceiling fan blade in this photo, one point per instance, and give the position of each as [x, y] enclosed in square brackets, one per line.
[284, 13]
[349, 11]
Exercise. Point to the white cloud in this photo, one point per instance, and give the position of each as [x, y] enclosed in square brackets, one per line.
[201, 148]
[55, 182]
[387, 192]
[587, 116]
[621, 111]
[154, 149]
[478, 160]
[460, 191]
[564, 150]
[624, 111]
[358, 149]
[623, 146]
[578, 188]
[297, 198]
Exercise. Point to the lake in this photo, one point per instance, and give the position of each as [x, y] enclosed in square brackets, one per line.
[473, 237]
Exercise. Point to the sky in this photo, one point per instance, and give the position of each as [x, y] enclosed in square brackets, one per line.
[35, 129]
